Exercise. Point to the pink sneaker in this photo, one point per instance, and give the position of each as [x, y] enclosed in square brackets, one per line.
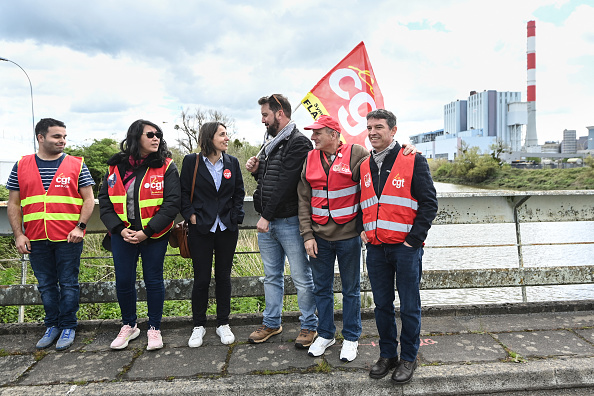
[154, 339]
[126, 334]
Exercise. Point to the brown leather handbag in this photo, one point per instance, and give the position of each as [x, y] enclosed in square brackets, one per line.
[179, 234]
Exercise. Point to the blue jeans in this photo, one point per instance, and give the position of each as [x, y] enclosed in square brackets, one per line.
[383, 263]
[125, 259]
[348, 252]
[56, 266]
[283, 240]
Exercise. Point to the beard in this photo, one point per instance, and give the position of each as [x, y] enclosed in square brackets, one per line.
[272, 129]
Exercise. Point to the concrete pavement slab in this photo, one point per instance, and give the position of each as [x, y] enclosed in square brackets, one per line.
[76, 366]
[546, 343]
[441, 325]
[13, 366]
[461, 348]
[19, 343]
[588, 334]
[531, 321]
[272, 357]
[178, 362]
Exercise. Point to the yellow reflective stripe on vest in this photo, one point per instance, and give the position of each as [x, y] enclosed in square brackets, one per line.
[145, 203]
[32, 199]
[119, 199]
[64, 200]
[33, 216]
[62, 216]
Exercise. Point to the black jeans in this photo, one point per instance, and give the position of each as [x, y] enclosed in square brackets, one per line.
[202, 247]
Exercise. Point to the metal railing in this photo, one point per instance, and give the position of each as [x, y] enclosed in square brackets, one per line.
[454, 208]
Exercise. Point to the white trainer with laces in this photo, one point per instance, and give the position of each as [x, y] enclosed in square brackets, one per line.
[348, 353]
[227, 337]
[126, 334]
[197, 336]
[319, 346]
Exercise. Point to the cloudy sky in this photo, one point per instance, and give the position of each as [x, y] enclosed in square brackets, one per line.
[100, 65]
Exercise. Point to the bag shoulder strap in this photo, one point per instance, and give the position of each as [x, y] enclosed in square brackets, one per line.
[194, 179]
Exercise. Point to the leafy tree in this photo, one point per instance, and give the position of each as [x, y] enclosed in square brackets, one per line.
[96, 156]
[497, 149]
[191, 123]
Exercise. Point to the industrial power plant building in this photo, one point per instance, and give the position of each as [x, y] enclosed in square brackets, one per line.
[482, 120]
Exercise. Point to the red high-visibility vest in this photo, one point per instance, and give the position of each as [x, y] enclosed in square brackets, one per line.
[390, 218]
[52, 214]
[150, 195]
[333, 195]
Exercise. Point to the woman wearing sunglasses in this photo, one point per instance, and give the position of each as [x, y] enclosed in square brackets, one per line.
[213, 209]
[139, 200]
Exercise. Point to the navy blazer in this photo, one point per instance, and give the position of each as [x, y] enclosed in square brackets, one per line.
[227, 202]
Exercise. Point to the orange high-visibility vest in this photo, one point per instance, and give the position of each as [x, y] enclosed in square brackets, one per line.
[390, 218]
[150, 195]
[334, 194]
[53, 214]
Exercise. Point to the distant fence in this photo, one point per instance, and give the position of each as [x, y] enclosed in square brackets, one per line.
[454, 208]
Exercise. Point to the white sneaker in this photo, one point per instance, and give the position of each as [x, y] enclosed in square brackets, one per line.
[227, 337]
[348, 353]
[319, 346]
[196, 338]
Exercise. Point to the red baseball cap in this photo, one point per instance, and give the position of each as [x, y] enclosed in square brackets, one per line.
[325, 121]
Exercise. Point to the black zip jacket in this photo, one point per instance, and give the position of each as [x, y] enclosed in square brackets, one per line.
[421, 189]
[278, 175]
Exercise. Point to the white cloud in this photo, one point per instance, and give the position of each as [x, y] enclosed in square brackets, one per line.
[103, 65]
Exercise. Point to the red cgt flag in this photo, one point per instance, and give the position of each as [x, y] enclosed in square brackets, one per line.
[347, 93]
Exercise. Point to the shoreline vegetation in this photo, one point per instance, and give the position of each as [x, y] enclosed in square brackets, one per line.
[469, 168]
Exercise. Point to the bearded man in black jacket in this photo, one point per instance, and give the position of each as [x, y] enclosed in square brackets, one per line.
[277, 169]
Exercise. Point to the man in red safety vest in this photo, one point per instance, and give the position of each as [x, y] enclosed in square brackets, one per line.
[398, 202]
[51, 197]
[330, 224]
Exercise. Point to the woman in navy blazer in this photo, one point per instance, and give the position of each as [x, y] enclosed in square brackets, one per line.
[213, 214]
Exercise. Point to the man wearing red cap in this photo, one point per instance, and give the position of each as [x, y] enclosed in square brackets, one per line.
[330, 225]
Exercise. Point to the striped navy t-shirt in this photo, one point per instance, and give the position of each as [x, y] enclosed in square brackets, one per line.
[47, 170]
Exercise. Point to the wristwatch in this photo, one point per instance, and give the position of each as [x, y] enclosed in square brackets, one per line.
[81, 225]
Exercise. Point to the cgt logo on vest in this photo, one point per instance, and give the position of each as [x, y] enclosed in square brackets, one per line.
[62, 182]
[341, 168]
[155, 185]
[397, 181]
[367, 179]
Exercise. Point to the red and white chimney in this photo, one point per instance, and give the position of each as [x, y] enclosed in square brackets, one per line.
[531, 137]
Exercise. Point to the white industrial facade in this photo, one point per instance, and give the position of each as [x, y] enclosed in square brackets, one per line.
[484, 119]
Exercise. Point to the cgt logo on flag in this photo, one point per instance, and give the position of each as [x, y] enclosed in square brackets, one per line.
[347, 93]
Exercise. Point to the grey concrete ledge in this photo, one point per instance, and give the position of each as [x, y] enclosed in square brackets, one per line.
[429, 380]
[366, 313]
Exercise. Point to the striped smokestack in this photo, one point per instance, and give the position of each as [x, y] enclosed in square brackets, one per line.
[531, 138]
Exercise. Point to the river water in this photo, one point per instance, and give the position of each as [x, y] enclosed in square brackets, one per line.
[438, 257]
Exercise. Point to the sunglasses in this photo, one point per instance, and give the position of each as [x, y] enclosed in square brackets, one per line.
[151, 135]
[279, 103]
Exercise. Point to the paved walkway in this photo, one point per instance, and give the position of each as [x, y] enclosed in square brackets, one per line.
[540, 348]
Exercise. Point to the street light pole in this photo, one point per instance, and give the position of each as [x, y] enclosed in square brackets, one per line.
[32, 113]
[21, 317]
